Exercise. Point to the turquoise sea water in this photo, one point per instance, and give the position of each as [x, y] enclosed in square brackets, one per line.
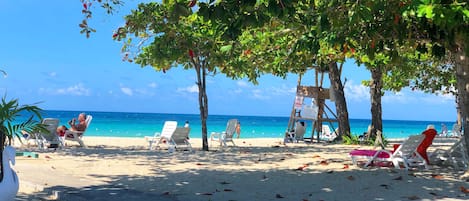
[125, 124]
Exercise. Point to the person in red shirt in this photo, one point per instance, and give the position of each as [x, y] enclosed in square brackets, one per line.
[430, 134]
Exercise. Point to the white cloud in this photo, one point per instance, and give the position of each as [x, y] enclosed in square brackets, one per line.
[283, 91]
[241, 83]
[258, 94]
[76, 90]
[356, 93]
[152, 85]
[127, 91]
[144, 92]
[191, 89]
[398, 97]
[53, 74]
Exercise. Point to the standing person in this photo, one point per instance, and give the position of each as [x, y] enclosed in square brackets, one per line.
[238, 129]
[186, 125]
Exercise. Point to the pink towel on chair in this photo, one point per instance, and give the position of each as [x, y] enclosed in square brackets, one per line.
[370, 153]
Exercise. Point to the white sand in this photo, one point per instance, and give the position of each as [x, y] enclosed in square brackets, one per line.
[257, 169]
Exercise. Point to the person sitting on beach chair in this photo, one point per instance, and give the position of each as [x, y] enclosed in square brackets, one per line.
[80, 126]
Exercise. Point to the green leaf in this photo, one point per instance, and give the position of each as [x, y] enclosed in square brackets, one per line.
[226, 48]
[425, 10]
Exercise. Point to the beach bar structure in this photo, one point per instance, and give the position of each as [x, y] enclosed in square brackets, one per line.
[317, 112]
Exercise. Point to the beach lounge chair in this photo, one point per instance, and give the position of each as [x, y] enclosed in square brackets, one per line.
[456, 155]
[180, 138]
[327, 134]
[48, 139]
[226, 136]
[77, 136]
[165, 136]
[455, 131]
[406, 154]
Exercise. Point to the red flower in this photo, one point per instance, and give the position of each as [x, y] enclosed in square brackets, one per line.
[191, 53]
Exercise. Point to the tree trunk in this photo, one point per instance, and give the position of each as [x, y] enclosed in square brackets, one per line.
[376, 108]
[340, 104]
[203, 101]
[461, 63]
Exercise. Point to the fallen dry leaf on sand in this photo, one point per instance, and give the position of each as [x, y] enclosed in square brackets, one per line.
[385, 186]
[464, 190]
[279, 196]
[206, 193]
[413, 197]
[302, 167]
[398, 178]
[346, 166]
[324, 162]
[316, 156]
[436, 176]
[199, 164]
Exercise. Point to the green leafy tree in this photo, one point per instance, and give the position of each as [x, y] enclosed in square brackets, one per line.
[168, 35]
[286, 37]
[441, 27]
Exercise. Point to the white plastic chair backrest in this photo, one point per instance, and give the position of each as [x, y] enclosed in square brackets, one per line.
[88, 120]
[231, 127]
[326, 130]
[409, 146]
[168, 129]
[51, 125]
[181, 134]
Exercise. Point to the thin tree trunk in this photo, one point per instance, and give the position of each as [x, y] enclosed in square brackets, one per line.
[376, 108]
[462, 76]
[203, 101]
[340, 104]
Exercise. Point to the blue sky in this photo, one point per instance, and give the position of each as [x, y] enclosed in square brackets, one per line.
[49, 61]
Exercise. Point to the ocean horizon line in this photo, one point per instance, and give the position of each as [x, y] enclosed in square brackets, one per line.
[237, 115]
[138, 124]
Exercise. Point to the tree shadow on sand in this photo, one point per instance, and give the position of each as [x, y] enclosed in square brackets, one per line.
[288, 173]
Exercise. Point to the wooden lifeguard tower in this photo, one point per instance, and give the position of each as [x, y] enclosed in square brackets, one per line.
[317, 111]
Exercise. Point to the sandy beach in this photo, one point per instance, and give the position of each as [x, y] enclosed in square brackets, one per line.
[256, 169]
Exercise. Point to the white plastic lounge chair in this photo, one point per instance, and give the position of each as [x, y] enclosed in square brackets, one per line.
[406, 154]
[166, 133]
[226, 136]
[456, 155]
[180, 138]
[456, 131]
[48, 139]
[77, 136]
[327, 134]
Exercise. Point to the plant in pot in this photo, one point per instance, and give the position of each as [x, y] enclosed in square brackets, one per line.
[11, 127]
